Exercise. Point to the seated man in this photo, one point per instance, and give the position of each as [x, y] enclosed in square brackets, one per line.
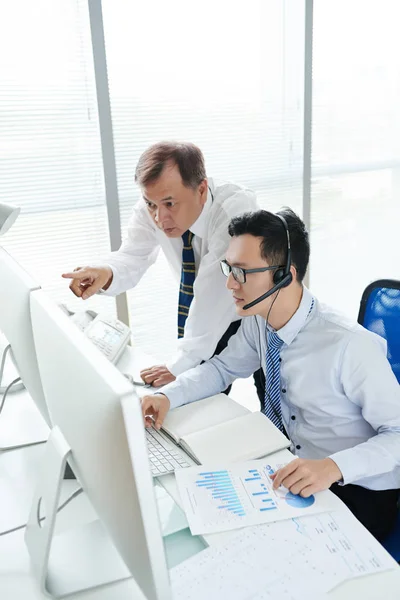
[328, 382]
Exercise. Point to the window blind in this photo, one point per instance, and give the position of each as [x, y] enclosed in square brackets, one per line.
[49, 142]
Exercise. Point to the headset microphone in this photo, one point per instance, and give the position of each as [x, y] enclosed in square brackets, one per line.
[274, 289]
[282, 276]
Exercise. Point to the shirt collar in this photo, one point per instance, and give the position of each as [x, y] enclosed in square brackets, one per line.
[199, 227]
[288, 332]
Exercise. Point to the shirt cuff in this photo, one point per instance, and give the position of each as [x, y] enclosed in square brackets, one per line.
[110, 291]
[349, 465]
[173, 393]
[181, 363]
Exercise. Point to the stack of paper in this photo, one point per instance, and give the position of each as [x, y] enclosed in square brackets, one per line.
[291, 560]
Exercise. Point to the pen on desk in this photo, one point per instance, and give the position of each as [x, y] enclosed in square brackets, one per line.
[135, 382]
[141, 383]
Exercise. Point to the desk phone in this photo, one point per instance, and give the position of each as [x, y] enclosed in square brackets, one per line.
[109, 335]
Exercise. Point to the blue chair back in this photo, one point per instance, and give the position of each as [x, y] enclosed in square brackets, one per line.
[380, 312]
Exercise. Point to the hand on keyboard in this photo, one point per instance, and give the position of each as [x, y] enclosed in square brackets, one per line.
[154, 409]
[164, 456]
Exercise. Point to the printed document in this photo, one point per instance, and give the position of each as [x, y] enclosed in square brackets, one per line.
[298, 559]
[241, 494]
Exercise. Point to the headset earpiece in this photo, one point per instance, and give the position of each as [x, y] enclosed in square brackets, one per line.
[280, 275]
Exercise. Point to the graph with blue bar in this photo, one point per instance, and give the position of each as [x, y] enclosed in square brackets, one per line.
[260, 494]
[223, 490]
[242, 494]
[233, 498]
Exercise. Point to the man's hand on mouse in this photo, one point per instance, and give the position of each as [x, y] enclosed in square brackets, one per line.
[157, 376]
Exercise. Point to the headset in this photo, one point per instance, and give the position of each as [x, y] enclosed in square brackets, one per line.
[282, 276]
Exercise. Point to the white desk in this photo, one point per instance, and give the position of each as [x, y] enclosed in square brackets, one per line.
[16, 485]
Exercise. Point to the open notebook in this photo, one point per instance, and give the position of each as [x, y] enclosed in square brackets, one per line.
[219, 429]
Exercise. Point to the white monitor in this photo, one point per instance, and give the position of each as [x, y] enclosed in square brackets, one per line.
[99, 429]
[15, 323]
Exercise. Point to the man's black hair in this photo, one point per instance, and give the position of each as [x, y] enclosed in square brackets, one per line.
[273, 247]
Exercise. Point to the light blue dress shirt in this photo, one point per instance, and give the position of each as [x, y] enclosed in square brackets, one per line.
[339, 395]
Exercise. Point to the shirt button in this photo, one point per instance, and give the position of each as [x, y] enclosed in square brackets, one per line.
[298, 447]
[283, 390]
[293, 418]
[280, 360]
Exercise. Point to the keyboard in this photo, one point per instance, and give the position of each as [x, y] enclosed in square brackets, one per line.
[164, 456]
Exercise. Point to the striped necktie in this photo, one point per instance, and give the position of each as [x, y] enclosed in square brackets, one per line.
[272, 399]
[188, 274]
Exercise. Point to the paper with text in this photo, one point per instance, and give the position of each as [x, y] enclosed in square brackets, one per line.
[220, 499]
[291, 560]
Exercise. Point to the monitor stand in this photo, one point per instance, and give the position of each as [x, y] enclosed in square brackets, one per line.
[21, 424]
[71, 561]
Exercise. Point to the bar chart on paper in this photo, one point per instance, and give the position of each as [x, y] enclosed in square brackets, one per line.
[241, 495]
[230, 497]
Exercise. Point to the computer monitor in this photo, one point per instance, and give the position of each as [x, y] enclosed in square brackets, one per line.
[99, 428]
[15, 324]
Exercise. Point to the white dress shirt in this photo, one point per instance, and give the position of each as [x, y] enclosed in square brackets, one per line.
[339, 396]
[212, 308]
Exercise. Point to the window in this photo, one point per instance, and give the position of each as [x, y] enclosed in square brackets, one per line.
[229, 80]
[356, 148]
[49, 142]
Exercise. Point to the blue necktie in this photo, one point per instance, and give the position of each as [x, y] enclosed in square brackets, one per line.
[188, 274]
[272, 399]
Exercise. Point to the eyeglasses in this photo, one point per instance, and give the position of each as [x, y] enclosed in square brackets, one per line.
[239, 274]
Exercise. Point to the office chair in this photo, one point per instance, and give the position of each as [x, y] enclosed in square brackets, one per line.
[380, 313]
